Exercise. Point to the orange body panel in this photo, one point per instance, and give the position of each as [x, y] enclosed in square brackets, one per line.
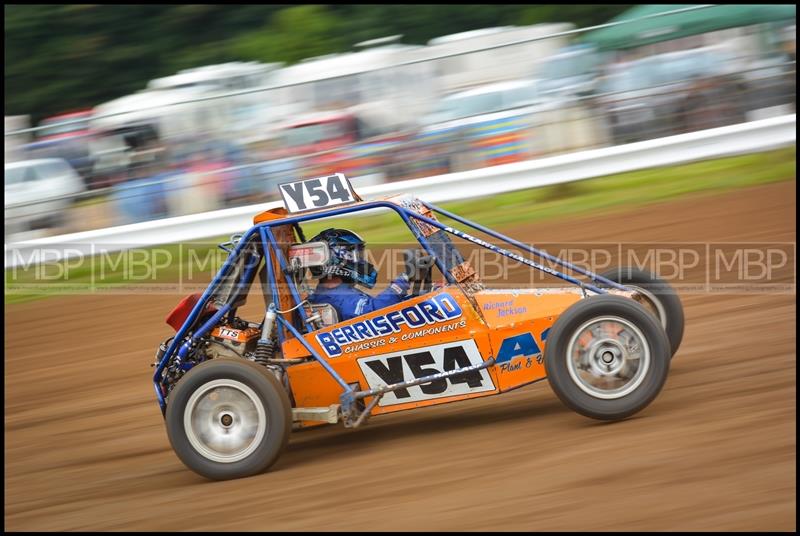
[313, 386]
[361, 355]
[270, 215]
[506, 308]
[518, 322]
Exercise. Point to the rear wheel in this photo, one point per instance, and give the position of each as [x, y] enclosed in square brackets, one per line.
[228, 418]
[606, 357]
[658, 298]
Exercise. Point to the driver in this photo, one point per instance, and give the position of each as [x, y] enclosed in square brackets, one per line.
[348, 267]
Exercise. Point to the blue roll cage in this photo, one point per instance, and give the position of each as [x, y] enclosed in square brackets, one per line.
[264, 232]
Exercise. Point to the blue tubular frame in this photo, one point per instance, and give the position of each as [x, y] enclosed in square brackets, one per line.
[196, 310]
[509, 254]
[264, 230]
[289, 281]
[529, 249]
[322, 361]
[406, 215]
[268, 264]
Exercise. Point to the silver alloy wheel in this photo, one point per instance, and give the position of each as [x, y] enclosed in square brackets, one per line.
[654, 304]
[608, 357]
[225, 421]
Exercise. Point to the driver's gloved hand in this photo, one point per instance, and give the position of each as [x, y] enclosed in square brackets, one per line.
[416, 262]
[409, 264]
[401, 285]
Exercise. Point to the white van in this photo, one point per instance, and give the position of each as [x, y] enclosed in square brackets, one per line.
[38, 193]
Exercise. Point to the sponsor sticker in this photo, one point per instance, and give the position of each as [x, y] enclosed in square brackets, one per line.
[519, 349]
[505, 308]
[229, 333]
[397, 367]
[432, 316]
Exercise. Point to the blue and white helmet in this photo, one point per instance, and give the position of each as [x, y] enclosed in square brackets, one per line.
[348, 258]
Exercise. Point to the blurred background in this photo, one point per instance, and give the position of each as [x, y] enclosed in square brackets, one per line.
[123, 114]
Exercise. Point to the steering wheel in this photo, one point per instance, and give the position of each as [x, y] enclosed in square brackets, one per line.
[418, 266]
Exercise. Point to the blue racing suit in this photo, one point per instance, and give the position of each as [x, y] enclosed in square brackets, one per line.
[351, 302]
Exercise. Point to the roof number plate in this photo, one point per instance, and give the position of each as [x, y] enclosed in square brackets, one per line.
[322, 192]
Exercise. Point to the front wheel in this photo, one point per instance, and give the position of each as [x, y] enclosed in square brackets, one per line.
[606, 357]
[657, 296]
[228, 418]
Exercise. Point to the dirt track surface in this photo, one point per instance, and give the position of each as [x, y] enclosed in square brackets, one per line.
[86, 447]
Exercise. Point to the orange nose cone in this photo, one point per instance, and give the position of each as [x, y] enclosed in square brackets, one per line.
[270, 215]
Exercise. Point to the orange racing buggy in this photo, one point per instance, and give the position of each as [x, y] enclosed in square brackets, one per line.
[231, 389]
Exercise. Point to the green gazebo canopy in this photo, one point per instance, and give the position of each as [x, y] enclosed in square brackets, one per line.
[697, 21]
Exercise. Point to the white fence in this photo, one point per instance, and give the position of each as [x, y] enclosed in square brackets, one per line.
[748, 137]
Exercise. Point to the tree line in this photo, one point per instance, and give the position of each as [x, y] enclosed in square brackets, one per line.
[61, 58]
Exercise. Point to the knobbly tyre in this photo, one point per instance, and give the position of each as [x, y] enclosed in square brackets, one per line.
[231, 390]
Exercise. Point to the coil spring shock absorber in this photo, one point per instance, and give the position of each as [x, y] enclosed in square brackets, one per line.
[265, 348]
